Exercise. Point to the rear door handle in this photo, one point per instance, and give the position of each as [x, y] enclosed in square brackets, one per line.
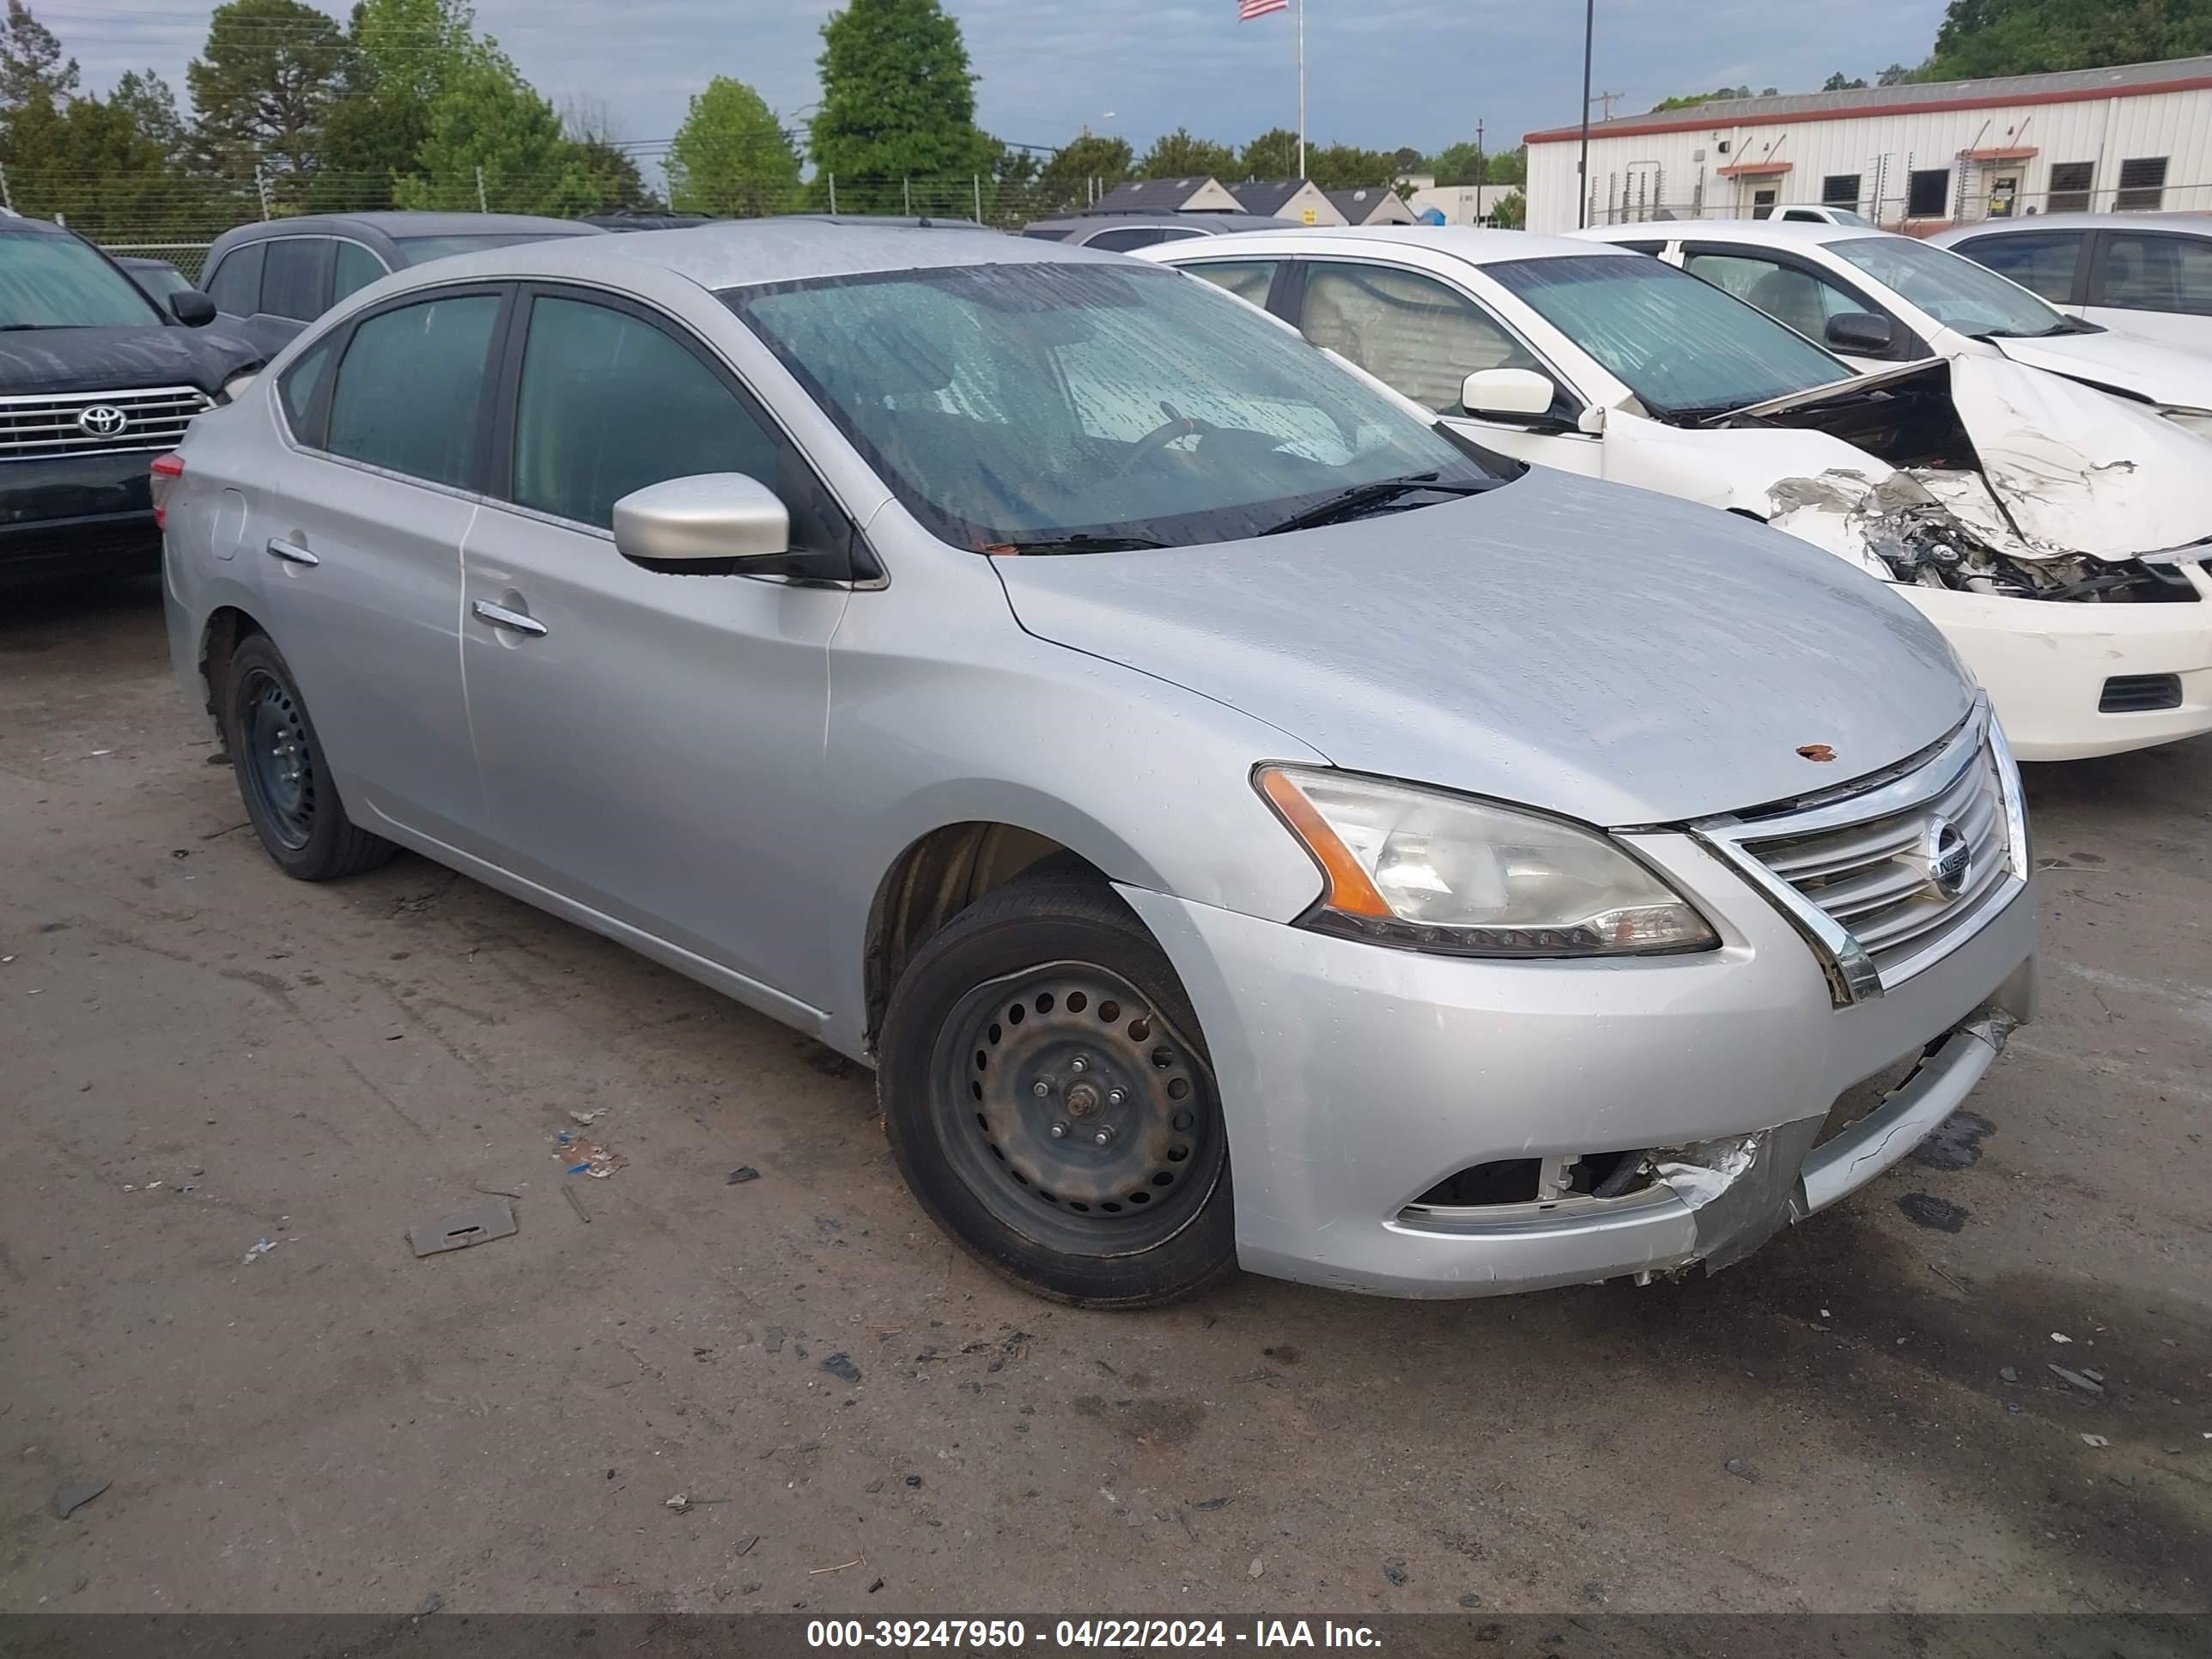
[499, 617]
[290, 552]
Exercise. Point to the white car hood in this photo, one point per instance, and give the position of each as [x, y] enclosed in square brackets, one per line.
[2071, 470]
[2164, 374]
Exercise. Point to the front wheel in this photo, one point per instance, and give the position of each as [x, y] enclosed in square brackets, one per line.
[1048, 1096]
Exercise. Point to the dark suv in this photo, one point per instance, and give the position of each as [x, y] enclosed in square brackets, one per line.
[95, 379]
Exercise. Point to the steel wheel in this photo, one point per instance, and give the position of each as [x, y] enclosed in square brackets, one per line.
[280, 770]
[1084, 1121]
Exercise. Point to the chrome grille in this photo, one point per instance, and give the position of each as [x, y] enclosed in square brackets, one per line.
[1862, 874]
[96, 423]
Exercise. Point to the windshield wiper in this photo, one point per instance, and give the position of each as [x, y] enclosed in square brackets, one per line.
[1052, 544]
[1352, 502]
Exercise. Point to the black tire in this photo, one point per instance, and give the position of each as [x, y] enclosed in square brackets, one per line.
[1013, 993]
[283, 776]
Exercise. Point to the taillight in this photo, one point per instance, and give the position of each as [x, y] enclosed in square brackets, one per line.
[167, 469]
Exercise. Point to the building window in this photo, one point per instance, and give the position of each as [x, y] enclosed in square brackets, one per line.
[1840, 190]
[2070, 186]
[1928, 195]
[2142, 184]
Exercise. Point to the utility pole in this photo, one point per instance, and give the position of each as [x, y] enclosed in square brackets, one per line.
[1582, 167]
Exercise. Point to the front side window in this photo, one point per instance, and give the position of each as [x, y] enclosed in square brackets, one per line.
[1686, 348]
[1411, 332]
[292, 278]
[1248, 279]
[1787, 293]
[1952, 289]
[57, 282]
[356, 269]
[1024, 403]
[609, 403]
[2158, 273]
[410, 391]
[235, 283]
[2042, 261]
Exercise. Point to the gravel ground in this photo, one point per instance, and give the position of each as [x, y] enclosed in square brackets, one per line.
[196, 1055]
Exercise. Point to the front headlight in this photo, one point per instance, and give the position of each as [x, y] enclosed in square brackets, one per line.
[2198, 421]
[234, 387]
[1432, 872]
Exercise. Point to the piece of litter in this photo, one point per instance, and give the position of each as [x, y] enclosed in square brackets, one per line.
[745, 1544]
[430, 1604]
[742, 1174]
[2007, 1373]
[585, 1118]
[473, 1224]
[841, 1367]
[577, 1205]
[261, 1247]
[2086, 1384]
[75, 1495]
[2060, 1336]
[1738, 1468]
[680, 1504]
[2094, 1376]
[873, 1587]
[840, 1567]
[579, 1169]
[1255, 1568]
[1212, 1503]
[2094, 1440]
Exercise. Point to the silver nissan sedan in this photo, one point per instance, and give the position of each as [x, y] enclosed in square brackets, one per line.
[1239, 823]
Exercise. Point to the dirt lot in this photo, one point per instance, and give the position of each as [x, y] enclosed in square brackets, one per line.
[196, 1054]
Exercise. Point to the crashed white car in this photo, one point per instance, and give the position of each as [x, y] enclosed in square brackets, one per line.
[2058, 536]
[1877, 299]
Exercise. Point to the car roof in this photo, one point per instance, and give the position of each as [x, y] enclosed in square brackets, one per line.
[2198, 224]
[1767, 233]
[398, 224]
[1217, 222]
[16, 224]
[1467, 243]
[742, 253]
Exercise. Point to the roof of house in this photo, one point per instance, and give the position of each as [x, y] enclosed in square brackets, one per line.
[1265, 195]
[1151, 195]
[2064, 86]
[1357, 204]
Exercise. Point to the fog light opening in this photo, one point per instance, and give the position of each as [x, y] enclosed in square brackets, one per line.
[1541, 1180]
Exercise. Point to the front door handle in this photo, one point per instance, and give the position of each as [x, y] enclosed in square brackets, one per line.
[291, 552]
[499, 617]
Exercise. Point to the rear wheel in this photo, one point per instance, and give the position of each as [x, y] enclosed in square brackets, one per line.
[1048, 1098]
[281, 774]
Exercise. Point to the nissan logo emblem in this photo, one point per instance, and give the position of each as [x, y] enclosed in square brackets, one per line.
[102, 421]
[1948, 860]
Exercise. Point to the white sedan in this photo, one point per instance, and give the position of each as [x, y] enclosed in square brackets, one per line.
[1877, 300]
[2058, 537]
[2140, 273]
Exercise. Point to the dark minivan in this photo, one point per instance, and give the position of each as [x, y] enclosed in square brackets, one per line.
[95, 379]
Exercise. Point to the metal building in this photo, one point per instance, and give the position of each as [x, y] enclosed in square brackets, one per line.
[1915, 158]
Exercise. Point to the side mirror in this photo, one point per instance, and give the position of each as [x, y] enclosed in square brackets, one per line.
[191, 307]
[1861, 333]
[1513, 394]
[709, 518]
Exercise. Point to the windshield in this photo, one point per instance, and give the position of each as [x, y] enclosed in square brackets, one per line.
[419, 249]
[158, 279]
[1845, 216]
[1683, 346]
[57, 282]
[1053, 403]
[1952, 289]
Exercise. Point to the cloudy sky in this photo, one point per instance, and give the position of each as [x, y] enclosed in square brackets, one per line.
[1380, 73]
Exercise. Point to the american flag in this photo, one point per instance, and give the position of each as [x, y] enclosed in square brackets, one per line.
[1248, 10]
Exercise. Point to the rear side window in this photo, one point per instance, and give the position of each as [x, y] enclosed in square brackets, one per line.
[1248, 279]
[1411, 332]
[2158, 273]
[2044, 262]
[356, 269]
[1129, 236]
[292, 278]
[235, 285]
[609, 403]
[299, 389]
[410, 389]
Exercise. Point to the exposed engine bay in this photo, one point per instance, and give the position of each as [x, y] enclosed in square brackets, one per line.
[2020, 515]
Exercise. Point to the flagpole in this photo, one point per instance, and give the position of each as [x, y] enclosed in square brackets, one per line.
[1302, 87]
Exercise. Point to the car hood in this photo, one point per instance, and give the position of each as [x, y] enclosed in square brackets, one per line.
[2126, 363]
[1601, 652]
[121, 359]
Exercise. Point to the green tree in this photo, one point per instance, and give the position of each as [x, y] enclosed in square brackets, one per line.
[1455, 164]
[32, 68]
[1347, 167]
[1896, 75]
[152, 107]
[2027, 37]
[731, 156]
[493, 140]
[398, 56]
[1687, 100]
[1273, 154]
[1178, 156]
[1066, 180]
[267, 73]
[898, 101]
[1839, 82]
[1511, 212]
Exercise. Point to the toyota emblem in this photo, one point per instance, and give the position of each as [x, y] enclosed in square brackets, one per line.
[1947, 856]
[102, 421]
